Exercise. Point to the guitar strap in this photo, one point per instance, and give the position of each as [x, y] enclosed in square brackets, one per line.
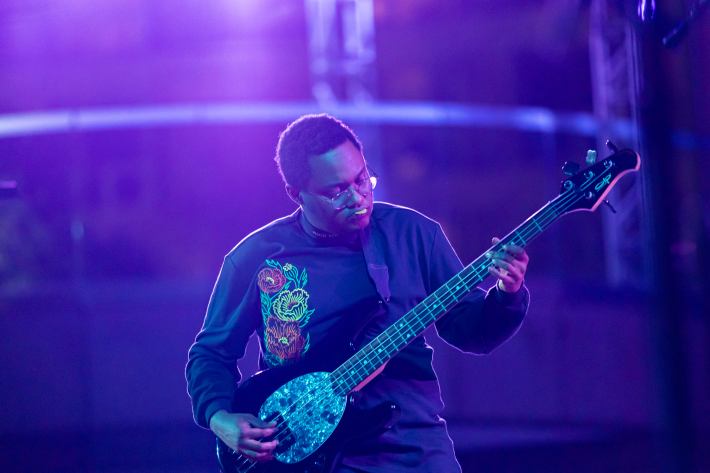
[373, 247]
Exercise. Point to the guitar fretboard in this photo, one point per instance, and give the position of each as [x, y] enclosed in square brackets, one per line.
[398, 335]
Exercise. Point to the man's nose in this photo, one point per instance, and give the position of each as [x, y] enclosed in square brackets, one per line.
[354, 196]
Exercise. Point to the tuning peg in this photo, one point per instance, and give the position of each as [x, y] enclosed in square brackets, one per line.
[611, 146]
[611, 207]
[570, 168]
[591, 157]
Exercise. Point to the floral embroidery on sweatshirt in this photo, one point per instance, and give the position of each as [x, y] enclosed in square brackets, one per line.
[284, 308]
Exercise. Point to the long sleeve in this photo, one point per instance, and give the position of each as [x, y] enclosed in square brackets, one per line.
[211, 370]
[481, 321]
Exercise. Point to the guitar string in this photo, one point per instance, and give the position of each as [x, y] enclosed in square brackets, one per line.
[452, 289]
[405, 329]
[474, 271]
[477, 272]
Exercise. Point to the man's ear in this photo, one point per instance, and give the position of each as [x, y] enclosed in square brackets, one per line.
[294, 195]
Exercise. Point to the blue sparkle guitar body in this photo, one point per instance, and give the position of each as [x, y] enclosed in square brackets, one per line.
[314, 422]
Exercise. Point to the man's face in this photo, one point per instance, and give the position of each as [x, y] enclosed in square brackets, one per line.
[341, 169]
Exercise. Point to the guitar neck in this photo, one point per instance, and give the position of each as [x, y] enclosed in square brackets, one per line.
[412, 324]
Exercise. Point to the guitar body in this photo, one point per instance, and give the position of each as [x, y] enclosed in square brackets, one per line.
[314, 422]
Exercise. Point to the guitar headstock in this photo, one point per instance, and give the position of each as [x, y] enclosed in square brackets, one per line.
[588, 188]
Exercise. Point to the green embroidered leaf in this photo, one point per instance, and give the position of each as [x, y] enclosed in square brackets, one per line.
[306, 317]
[273, 360]
[304, 278]
[307, 345]
[273, 263]
[266, 352]
[265, 305]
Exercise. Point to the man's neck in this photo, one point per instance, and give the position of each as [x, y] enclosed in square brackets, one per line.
[326, 236]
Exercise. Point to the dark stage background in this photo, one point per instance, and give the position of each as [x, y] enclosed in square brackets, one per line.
[141, 137]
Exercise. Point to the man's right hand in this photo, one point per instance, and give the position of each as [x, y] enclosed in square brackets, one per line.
[241, 432]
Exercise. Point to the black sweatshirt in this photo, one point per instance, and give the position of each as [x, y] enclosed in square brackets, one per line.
[298, 290]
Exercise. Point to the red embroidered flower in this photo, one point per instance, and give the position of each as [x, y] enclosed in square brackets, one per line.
[270, 280]
[283, 338]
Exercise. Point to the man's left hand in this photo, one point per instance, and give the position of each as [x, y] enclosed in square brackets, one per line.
[509, 266]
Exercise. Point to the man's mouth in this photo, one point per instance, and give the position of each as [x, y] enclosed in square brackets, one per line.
[360, 212]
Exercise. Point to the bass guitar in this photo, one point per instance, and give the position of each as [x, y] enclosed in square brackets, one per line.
[316, 413]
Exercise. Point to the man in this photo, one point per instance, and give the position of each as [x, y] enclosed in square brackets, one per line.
[300, 279]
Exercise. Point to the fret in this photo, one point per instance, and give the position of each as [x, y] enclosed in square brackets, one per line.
[459, 282]
[436, 303]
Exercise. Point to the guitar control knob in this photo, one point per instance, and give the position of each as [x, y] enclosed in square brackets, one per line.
[591, 157]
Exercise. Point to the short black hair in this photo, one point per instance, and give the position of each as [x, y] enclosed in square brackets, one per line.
[308, 136]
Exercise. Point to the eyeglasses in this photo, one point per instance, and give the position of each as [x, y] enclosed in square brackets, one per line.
[364, 186]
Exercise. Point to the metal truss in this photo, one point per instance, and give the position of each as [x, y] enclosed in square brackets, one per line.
[615, 82]
[341, 38]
